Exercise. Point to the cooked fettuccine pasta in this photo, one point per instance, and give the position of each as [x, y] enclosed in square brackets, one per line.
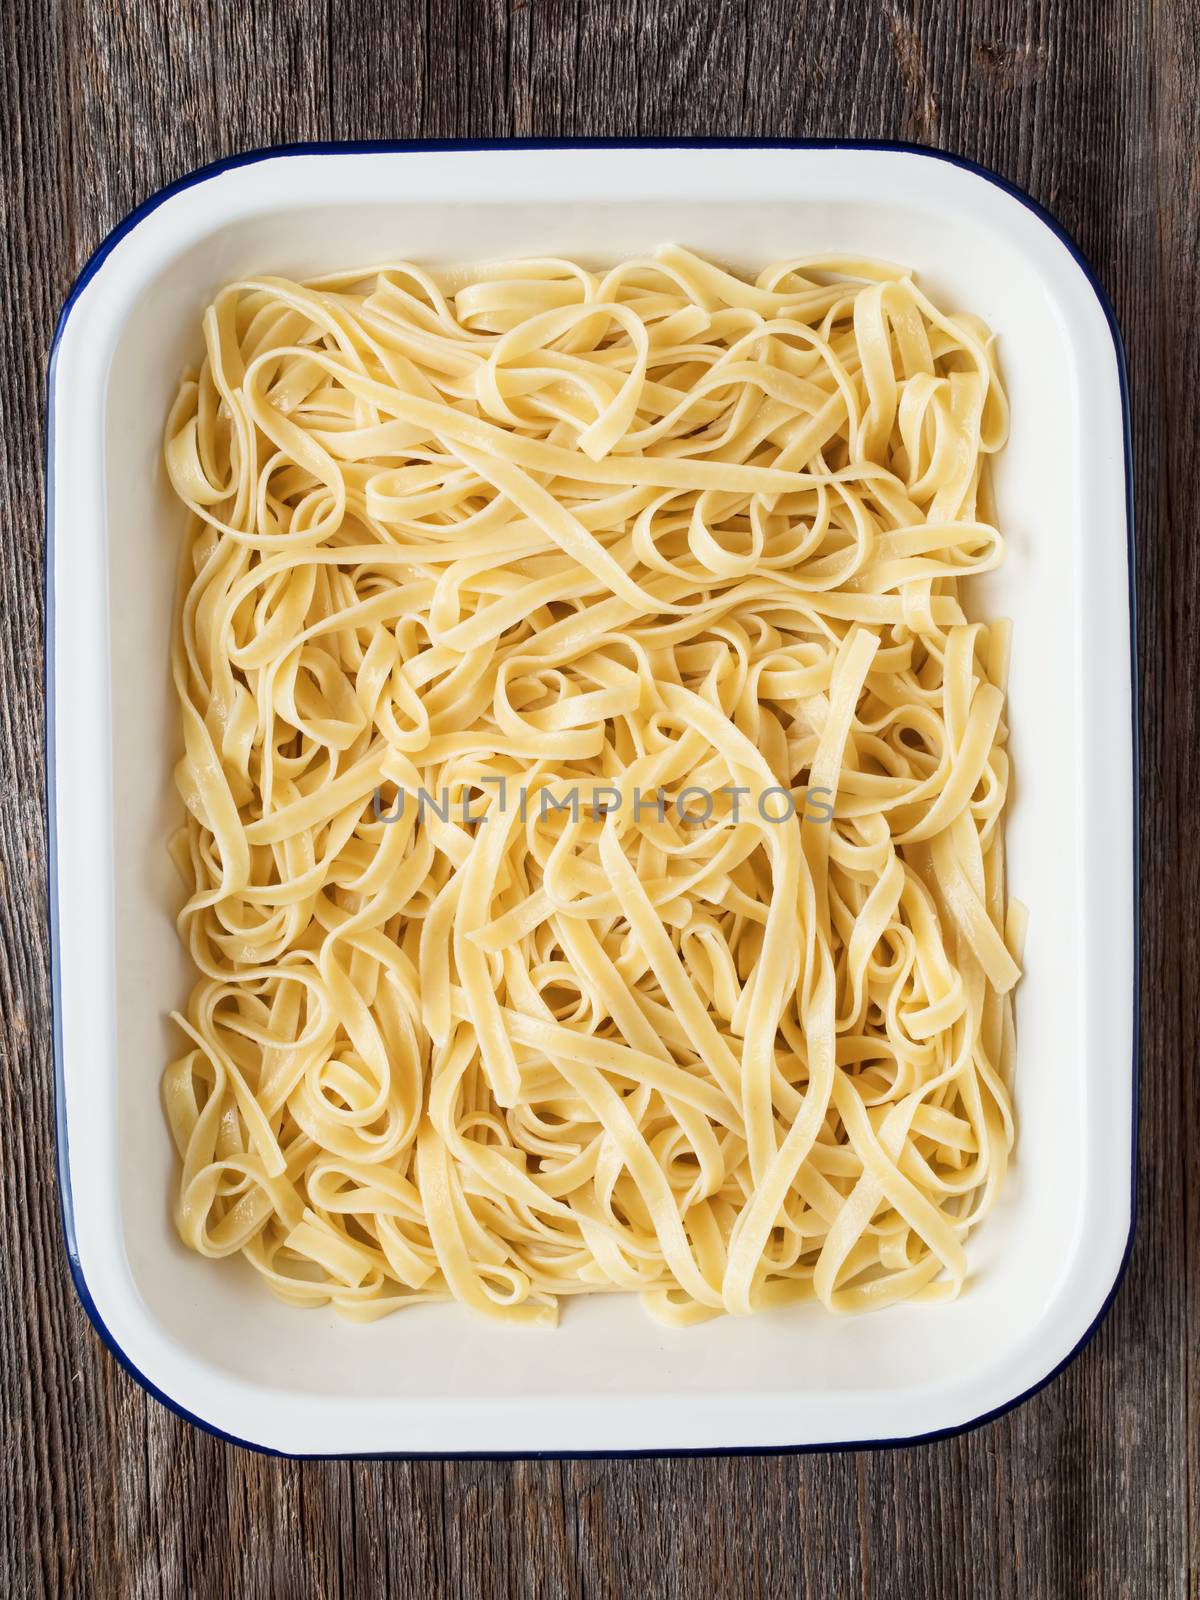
[594, 785]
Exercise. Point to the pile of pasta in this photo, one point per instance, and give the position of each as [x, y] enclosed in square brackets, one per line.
[594, 788]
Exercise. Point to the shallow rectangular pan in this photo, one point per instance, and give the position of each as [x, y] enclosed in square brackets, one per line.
[207, 1338]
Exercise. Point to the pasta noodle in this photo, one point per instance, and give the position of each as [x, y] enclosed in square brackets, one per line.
[594, 788]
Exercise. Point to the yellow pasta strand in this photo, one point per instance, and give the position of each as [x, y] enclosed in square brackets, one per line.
[594, 788]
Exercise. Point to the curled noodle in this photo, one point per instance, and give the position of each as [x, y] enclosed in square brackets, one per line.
[594, 788]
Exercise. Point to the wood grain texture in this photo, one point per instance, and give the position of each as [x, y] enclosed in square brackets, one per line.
[1090, 1489]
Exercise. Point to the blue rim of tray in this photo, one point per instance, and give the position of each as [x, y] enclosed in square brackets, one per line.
[414, 146]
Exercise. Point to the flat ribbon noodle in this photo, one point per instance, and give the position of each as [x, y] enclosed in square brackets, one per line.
[594, 788]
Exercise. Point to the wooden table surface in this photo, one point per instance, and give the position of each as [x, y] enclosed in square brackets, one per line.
[1090, 1489]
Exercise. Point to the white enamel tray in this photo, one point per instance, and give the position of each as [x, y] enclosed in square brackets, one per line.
[206, 1338]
